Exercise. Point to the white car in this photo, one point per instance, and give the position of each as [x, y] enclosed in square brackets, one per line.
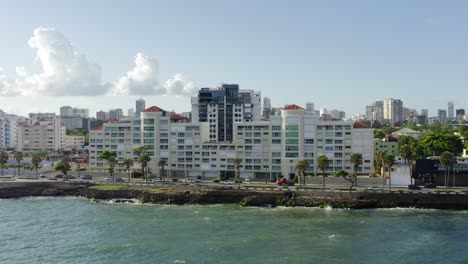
[375, 188]
[191, 180]
[226, 182]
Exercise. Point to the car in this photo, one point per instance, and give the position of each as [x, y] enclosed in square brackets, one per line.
[430, 186]
[150, 181]
[375, 188]
[413, 187]
[248, 180]
[86, 177]
[226, 182]
[59, 176]
[198, 177]
[42, 175]
[72, 177]
[108, 179]
[119, 180]
[159, 179]
[191, 180]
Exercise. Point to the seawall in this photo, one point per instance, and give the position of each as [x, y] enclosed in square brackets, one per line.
[250, 197]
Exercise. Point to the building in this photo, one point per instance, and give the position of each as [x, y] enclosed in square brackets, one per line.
[266, 108]
[71, 141]
[223, 107]
[460, 114]
[115, 114]
[450, 111]
[393, 111]
[101, 115]
[374, 112]
[42, 116]
[442, 116]
[388, 146]
[407, 132]
[8, 130]
[36, 135]
[139, 107]
[268, 149]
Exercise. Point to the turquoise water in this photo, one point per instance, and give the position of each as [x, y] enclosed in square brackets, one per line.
[75, 230]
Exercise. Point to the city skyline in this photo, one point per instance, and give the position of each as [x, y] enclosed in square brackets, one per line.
[290, 53]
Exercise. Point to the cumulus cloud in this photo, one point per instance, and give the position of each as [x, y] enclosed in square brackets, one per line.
[178, 85]
[66, 72]
[143, 79]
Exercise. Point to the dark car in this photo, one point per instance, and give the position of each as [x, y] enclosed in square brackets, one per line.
[86, 177]
[430, 186]
[413, 187]
[59, 176]
[119, 180]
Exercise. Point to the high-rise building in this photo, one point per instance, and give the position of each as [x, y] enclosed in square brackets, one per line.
[450, 112]
[101, 115]
[130, 112]
[425, 112]
[139, 106]
[310, 108]
[266, 108]
[374, 112]
[115, 113]
[460, 112]
[393, 111]
[442, 116]
[223, 107]
[68, 111]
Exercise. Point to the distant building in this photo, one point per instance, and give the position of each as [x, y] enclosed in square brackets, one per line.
[36, 135]
[101, 115]
[115, 114]
[374, 112]
[42, 116]
[266, 108]
[442, 116]
[393, 111]
[407, 132]
[450, 111]
[139, 107]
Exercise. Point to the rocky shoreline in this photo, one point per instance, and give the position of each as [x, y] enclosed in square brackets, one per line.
[181, 195]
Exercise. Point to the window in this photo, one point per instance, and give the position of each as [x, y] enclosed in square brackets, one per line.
[275, 127]
[292, 141]
[308, 141]
[148, 121]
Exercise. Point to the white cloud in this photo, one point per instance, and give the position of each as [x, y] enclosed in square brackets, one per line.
[66, 72]
[143, 79]
[178, 85]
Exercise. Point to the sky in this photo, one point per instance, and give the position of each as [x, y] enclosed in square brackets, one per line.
[338, 54]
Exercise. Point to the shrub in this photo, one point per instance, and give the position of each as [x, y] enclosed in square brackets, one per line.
[216, 180]
[237, 181]
[175, 179]
[296, 179]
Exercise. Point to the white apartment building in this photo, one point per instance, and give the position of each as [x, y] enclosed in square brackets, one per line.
[267, 148]
[71, 141]
[8, 130]
[41, 135]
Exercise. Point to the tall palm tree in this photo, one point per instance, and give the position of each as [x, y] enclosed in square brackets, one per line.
[111, 158]
[323, 164]
[162, 164]
[301, 167]
[446, 159]
[144, 160]
[237, 165]
[389, 160]
[18, 157]
[356, 161]
[380, 162]
[406, 153]
[3, 159]
[128, 162]
[36, 159]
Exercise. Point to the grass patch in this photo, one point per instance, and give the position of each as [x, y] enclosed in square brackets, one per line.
[108, 187]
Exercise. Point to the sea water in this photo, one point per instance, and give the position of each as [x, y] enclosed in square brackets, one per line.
[76, 230]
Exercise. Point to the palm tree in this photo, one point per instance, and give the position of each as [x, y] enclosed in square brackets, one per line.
[356, 161]
[3, 159]
[18, 157]
[237, 165]
[406, 153]
[63, 166]
[111, 158]
[128, 162]
[323, 164]
[36, 159]
[161, 164]
[389, 160]
[380, 162]
[301, 167]
[144, 160]
[446, 159]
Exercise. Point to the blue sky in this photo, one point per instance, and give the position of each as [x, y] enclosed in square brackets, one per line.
[337, 54]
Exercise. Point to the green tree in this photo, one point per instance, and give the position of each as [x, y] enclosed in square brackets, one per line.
[434, 144]
[323, 164]
[447, 159]
[301, 167]
[111, 158]
[379, 134]
[379, 162]
[356, 161]
[64, 166]
[162, 165]
[345, 175]
[18, 157]
[406, 152]
[3, 159]
[389, 160]
[144, 160]
[36, 159]
[128, 162]
[237, 164]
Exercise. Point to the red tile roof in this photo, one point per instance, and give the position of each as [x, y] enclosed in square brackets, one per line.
[178, 117]
[37, 123]
[154, 109]
[293, 107]
[98, 128]
[112, 120]
[25, 123]
[360, 125]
